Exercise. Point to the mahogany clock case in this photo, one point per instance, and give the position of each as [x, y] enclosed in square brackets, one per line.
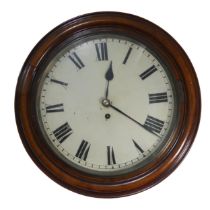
[185, 84]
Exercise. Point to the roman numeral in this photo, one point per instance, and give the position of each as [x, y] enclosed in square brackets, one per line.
[55, 108]
[138, 147]
[158, 97]
[127, 55]
[59, 82]
[148, 72]
[154, 124]
[76, 60]
[101, 50]
[62, 132]
[110, 155]
[83, 150]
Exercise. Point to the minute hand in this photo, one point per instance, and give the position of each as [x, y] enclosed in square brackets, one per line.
[143, 126]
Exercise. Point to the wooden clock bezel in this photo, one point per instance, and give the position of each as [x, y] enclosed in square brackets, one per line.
[186, 85]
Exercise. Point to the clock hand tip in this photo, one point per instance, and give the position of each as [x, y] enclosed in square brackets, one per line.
[109, 74]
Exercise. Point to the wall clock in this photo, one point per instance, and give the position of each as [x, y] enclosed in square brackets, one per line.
[107, 104]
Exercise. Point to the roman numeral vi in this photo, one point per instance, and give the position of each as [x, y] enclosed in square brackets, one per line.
[110, 155]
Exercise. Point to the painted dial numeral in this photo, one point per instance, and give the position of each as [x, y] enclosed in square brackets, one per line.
[62, 132]
[101, 50]
[148, 72]
[111, 155]
[154, 124]
[76, 60]
[55, 108]
[83, 150]
[158, 97]
[127, 55]
[59, 82]
[138, 147]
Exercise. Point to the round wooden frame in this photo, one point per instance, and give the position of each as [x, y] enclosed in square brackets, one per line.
[186, 85]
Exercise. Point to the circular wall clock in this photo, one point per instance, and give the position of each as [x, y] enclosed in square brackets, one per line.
[107, 104]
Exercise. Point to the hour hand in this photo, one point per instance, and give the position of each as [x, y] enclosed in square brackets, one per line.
[108, 76]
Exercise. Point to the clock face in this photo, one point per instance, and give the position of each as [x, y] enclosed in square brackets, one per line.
[106, 104]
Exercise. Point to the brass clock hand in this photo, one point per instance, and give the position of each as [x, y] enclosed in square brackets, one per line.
[143, 126]
[108, 76]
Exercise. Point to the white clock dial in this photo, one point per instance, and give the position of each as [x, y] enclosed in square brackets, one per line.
[106, 104]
